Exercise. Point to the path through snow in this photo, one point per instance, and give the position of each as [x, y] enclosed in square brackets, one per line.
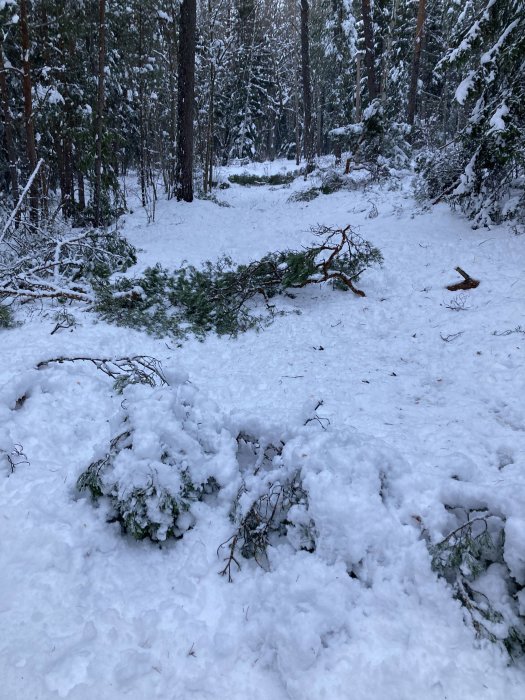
[411, 387]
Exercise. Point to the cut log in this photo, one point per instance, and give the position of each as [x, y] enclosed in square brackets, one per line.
[468, 282]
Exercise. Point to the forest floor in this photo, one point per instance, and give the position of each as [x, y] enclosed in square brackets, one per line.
[420, 383]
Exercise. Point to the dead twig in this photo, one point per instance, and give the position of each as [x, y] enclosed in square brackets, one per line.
[230, 559]
[510, 331]
[451, 337]
[458, 303]
[317, 418]
[16, 457]
[139, 369]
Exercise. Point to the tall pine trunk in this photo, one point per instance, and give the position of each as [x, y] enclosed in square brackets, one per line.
[416, 60]
[186, 100]
[142, 117]
[8, 127]
[99, 126]
[308, 135]
[387, 51]
[358, 100]
[368, 29]
[28, 110]
[208, 156]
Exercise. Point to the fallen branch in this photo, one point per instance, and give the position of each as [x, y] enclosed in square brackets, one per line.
[318, 418]
[140, 369]
[49, 263]
[41, 292]
[21, 199]
[446, 192]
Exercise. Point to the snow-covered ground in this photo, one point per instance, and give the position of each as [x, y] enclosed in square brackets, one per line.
[423, 405]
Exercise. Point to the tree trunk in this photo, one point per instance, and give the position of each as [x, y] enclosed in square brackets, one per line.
[8, 127]
[358, 102]
[81, 191]
[387, 52]
[297, 126]
[308, 135]
[28, 109]
[99, 128]
[186, 100]
[416, 60]
[142, 117]
[208, 164]
[319, 122]
[368, 29]
[208, 158]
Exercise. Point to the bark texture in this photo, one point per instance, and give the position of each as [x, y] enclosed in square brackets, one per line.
[307, 84]
[97, 188]
[368, 29]
[186, 100]
[416, 60]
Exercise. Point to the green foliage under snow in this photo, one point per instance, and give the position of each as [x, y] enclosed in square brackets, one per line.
[472, 559]
[279, 508]
[150, 492]
[251, 180]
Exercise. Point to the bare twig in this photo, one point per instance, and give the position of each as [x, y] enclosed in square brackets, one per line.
[16, 457]
[230, 559]
[451, 337]
[137, 369]
[518, 329]
[446, 192]
[317, 418]
[458, 303]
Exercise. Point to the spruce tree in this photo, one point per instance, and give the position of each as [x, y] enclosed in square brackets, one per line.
[490, 50]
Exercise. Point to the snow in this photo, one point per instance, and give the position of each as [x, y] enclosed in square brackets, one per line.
[422, 407]
[497, 123]
[490, 55]
[465, 87]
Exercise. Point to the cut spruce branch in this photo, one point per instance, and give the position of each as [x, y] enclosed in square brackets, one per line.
[139, 369]
[468, 282]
